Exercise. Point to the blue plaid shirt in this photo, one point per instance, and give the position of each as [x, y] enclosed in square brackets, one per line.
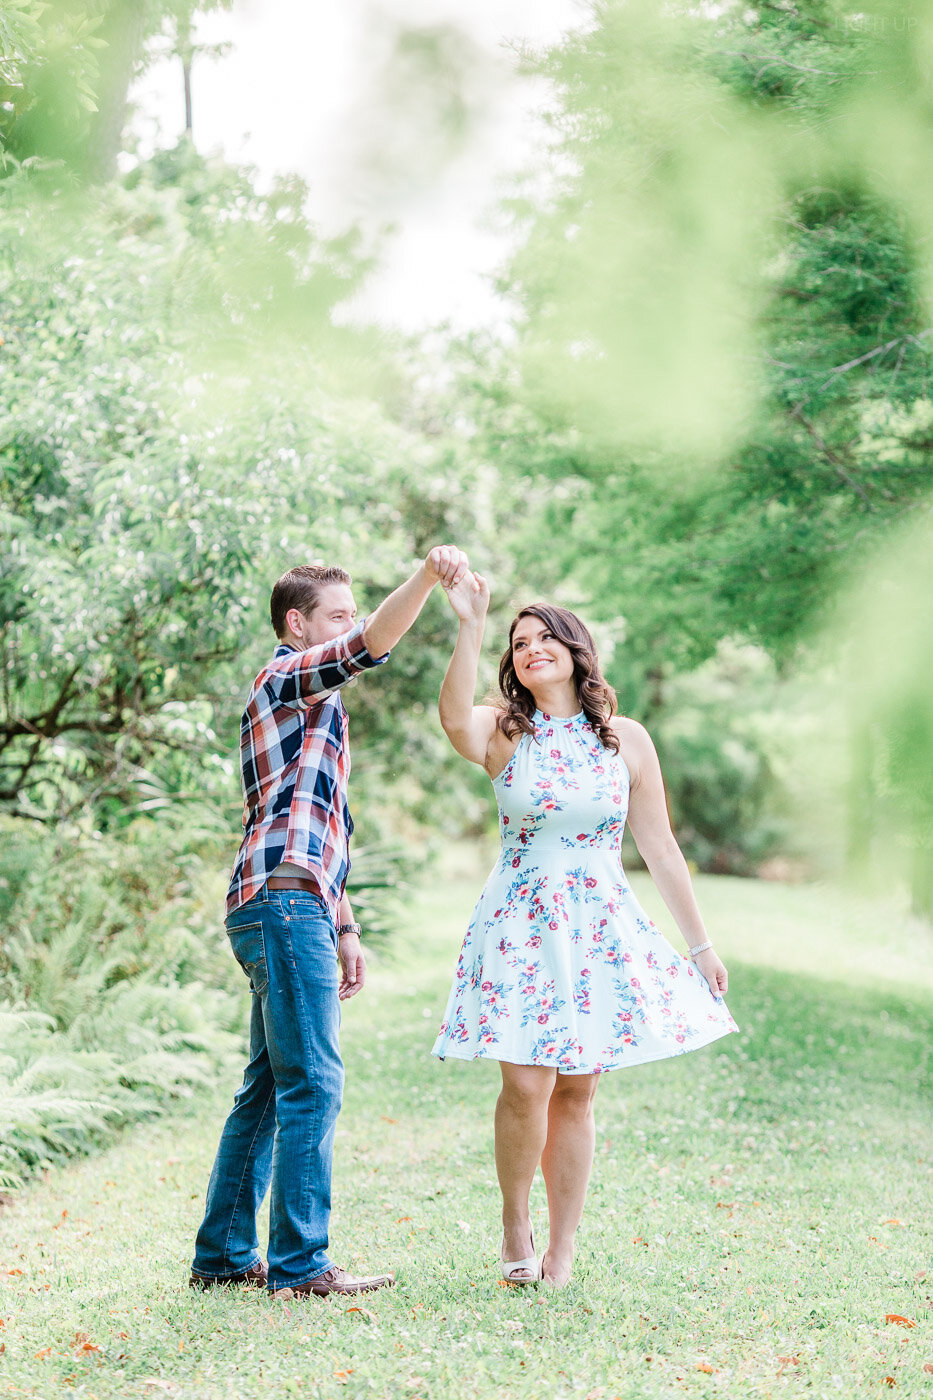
[295, 764]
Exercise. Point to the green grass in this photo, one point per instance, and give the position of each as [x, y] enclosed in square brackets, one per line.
[757, 1208]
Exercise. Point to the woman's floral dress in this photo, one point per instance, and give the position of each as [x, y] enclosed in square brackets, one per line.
[560, 965]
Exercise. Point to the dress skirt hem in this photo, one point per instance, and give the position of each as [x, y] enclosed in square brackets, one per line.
[630, 1061]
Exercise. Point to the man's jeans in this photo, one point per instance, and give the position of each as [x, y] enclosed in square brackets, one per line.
[281, 1127]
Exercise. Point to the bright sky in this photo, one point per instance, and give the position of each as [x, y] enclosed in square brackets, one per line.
[416, 137]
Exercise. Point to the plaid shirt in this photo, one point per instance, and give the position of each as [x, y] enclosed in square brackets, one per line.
[295, 762]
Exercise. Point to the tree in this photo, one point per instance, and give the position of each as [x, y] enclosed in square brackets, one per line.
[67, 70]
[718, 402]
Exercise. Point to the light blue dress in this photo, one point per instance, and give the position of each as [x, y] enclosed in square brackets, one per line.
[560, 965]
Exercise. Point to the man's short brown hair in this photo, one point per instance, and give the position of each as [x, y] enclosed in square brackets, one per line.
[301, 588]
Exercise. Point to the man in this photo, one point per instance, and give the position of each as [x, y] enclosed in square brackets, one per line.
[289, 921]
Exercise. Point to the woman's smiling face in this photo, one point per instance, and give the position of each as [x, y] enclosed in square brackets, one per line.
[538, 656]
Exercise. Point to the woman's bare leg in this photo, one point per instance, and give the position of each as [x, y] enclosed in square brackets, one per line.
[521, 1132]
[566, 1162]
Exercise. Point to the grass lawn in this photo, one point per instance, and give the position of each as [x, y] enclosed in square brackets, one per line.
[759, 1221]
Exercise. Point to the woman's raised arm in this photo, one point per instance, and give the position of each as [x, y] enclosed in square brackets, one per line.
[469, 727]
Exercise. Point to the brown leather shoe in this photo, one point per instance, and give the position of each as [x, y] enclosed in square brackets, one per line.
[253, 1278]
[335, 1281]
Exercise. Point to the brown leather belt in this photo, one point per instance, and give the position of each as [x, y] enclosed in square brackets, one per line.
[291, 882]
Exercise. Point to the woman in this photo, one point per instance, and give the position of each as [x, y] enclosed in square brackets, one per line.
[562, 975]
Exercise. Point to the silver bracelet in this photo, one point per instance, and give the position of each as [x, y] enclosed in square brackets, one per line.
[700, 948]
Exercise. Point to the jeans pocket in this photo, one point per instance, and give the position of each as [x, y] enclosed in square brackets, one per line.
[249, 951]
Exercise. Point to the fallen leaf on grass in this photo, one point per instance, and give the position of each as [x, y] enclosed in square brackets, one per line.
[901, 1321]
[343, 1376]
[892, 1221]
[387, 1120]
[889, 1381]
[12, 1272]
[401, 1218]
[365, 1311]
[928, 1367]
[873, 1239]
[46, 1351]
[705, 1367]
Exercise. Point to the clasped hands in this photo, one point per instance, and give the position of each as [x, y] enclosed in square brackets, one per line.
[467, 592]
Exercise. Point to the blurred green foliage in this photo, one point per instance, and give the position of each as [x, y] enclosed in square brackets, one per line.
[718, 401]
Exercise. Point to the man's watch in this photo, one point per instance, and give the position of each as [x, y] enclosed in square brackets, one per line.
[349, 928]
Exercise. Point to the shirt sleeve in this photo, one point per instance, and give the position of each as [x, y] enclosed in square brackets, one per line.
[298, 677]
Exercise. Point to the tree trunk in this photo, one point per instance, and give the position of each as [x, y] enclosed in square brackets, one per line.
[186, 69]
[124, 32]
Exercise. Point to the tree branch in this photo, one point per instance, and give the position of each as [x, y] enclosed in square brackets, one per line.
[833, 458]
[775, 58]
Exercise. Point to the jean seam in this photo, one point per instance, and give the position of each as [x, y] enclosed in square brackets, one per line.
[246, 1168]
[305, 1031]
[318, 1082]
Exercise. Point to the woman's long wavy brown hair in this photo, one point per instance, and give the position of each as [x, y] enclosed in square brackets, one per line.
[596, 696]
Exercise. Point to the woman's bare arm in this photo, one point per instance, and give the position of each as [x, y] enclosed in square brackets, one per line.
[470, 728]
[650, 826]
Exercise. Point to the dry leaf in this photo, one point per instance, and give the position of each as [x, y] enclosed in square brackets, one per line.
[705, 1367]
[901, 1321]
[371, 1317]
